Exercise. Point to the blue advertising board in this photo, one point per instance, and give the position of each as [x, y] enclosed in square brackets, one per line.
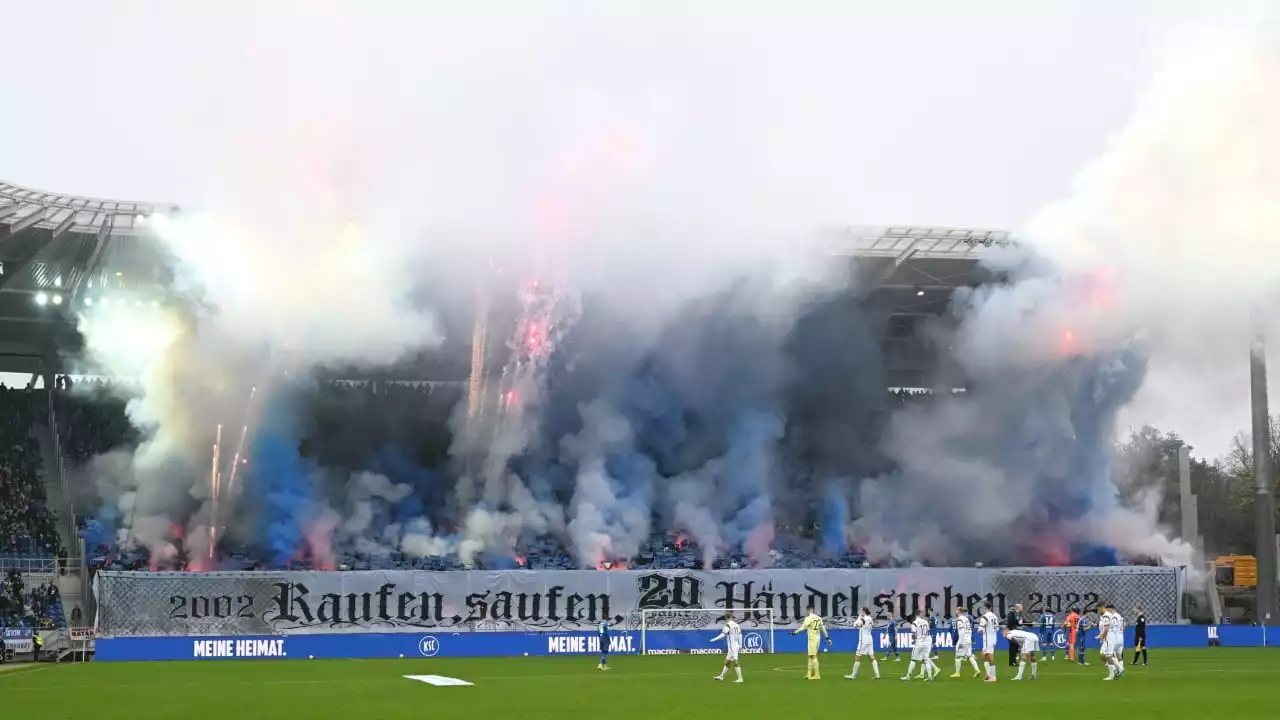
[514, 644]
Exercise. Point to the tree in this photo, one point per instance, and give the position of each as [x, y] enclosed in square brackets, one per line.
[1145, 470]
[1227, 505]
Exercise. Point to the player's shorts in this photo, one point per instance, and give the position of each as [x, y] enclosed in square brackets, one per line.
[920, 653]
[1117, 648]
[1029, 646]
[866, 649]
[964, 650]
[814, 646]
[988, 644]
[731, 654]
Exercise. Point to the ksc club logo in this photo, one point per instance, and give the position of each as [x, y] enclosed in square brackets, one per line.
[428, 646]
[753, 641]
[1060, 639]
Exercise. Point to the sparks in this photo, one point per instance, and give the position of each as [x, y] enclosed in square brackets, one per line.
[214, 491]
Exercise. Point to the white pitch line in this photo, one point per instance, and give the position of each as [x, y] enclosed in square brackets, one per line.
[24, 671]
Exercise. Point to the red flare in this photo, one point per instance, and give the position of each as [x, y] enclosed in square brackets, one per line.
[1052, 551]
[1068, 344]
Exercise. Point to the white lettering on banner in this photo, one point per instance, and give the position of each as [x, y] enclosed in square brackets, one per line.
[260, 648]
[142, 604]
[581, 644]
[238, 648]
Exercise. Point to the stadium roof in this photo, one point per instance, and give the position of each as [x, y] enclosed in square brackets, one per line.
[21, 208]
[56, 249]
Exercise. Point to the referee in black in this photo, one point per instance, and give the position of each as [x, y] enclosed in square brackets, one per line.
[1139, 636]
[1013, 621]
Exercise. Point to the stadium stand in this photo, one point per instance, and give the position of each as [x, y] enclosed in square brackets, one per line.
[92, 421]
[27, 525]
[38, 606]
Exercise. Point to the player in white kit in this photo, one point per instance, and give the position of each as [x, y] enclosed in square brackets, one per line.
[732, 635]
[1104, 642]
[1028, 644]
[1111, 640]
[1117, 637]
[964, 642]
[922, 651]
[989, 628]
[866, 644]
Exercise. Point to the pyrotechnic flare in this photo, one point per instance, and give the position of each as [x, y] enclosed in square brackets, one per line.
[244, 434]
[479, 345]
[213, 490]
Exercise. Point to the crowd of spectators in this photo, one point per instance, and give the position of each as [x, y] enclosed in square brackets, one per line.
[37, 606]
[27, 525]
[91, 420]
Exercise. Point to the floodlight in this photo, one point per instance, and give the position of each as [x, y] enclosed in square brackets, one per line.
[42, 299]
[57, 299]
[88, 301]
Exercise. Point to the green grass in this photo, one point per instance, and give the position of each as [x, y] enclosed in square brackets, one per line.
[1180, 684]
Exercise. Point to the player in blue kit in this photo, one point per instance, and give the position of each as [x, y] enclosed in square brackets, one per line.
[604, 645]
[1048, 628]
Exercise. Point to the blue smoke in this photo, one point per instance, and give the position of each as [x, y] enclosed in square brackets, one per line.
[282, 480]
[833, 519]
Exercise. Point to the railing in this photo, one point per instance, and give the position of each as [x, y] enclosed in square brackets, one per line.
[75, 544]
[29, 565]
[68, 506]
[49, 565]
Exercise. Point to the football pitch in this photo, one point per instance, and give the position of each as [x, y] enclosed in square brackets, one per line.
[1180, 684]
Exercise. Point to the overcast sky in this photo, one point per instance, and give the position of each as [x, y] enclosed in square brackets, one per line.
[908, 112]
[968, 113]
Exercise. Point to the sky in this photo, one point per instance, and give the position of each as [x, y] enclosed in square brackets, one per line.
[971, 114]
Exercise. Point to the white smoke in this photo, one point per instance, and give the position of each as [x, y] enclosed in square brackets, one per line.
[1167, 244]
[1180, 216]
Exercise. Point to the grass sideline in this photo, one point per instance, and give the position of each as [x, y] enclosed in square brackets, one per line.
[1180, 685]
